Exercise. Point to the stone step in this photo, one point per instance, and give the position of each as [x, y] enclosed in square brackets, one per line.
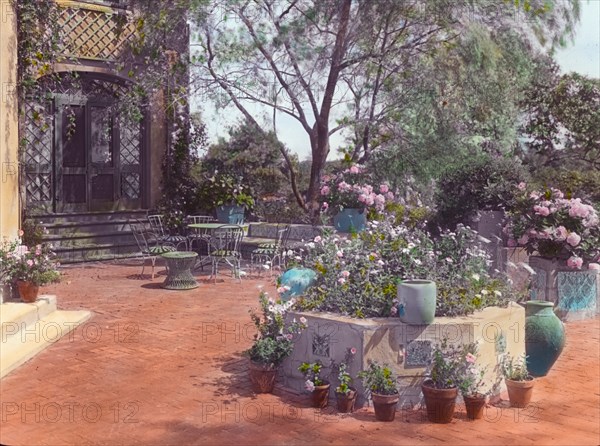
[97, 253]
[18, 349]
[15, 316]
[93, 236]
[87, 217]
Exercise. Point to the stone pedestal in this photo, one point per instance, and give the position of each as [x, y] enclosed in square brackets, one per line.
[575, 293]
[7, 292]
[405, 348]
[489, 225]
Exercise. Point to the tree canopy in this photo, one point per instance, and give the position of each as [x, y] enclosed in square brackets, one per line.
[344, 64]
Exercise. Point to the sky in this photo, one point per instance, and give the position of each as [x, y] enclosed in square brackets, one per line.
[581, 56]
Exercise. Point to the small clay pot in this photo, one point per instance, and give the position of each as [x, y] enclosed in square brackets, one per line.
[320, 395]
[385, 406]
[440, 403]
[519, 392]
[28, 291]
[262, 377]
[345, 401]
[474, 405]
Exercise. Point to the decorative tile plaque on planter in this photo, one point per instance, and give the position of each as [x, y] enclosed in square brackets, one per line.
[418, 354]
[577, 290]
[320, 345]
[575, 293]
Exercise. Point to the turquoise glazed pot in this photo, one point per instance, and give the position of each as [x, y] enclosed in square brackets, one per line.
[350, 220]
[298, 280]
[230, 214]
[544, 336]
[416, 301]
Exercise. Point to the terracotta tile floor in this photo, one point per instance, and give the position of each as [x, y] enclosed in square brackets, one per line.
[164, 367]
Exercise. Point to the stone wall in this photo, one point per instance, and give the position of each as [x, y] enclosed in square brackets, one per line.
[405, 348]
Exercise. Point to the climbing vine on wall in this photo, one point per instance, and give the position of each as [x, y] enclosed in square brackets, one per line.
[38, 35]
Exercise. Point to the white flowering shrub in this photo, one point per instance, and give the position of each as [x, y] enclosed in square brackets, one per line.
[358, 276]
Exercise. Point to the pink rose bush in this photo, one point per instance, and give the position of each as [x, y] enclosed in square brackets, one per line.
[350, 189]
[552, 225]
[36, 264]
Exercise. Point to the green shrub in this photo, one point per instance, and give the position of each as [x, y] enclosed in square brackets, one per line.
[484, 183]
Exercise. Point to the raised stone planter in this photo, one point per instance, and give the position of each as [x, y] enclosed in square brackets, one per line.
[575, 293]
[406, 348]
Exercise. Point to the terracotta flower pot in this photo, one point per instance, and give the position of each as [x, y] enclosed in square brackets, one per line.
[28, 291]
[385, 406]
[320, 395]
[440, 403]
[262, 377]
[474, 405]
[345, 401]
[519, 392]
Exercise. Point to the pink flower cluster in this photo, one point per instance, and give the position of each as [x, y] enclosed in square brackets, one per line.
[543, 219]
[353, 193]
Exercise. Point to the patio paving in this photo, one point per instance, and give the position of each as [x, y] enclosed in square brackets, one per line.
[163, 367]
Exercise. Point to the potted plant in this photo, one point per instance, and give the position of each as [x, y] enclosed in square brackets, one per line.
[273, 342]
[440, 389]
[345, 394]
[519, 382]
[348, 196]
[471, 382]
[381, 382]
[318, 386]
[33, 267]
[228, 196]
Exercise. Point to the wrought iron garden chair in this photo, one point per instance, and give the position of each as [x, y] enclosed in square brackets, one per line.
[150, 248]
[158, 230]
[268, 254]
[224, 247]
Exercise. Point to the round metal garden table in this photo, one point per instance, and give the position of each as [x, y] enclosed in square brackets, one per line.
[179, 264]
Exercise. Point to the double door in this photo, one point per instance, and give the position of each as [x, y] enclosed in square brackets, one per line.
[91, 172]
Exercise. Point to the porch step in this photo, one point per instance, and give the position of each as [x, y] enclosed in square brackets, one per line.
[27, 329]
[92, 236]
[15, 316]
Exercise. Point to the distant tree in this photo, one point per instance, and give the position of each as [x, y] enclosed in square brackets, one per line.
[253, 155]
[562, 124]
[465, 103]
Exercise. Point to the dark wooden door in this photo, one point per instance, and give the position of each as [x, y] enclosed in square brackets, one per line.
[103, 163]
[71, 192]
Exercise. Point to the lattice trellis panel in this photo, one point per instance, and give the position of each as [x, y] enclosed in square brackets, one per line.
[130, 132]
[38, 187]
[130, 186]
[38, 133]
[93, 33]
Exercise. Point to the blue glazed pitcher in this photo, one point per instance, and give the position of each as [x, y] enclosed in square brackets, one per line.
[350, 220]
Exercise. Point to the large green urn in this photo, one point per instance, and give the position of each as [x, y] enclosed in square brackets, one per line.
[544, 336]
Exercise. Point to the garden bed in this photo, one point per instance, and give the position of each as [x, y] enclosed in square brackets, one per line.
[405, 348]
